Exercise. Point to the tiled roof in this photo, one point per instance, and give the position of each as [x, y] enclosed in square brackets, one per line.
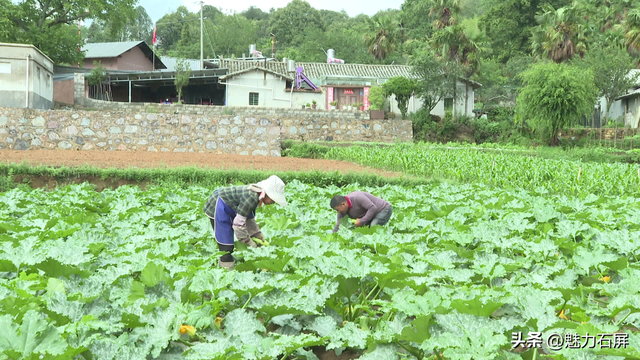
[115, 49]
[316, 71]
[634, 93]
[237, 69]
[108, 50]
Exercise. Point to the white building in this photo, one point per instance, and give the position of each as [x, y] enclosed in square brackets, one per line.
[273, 84]
[26, 77]
[625, 108]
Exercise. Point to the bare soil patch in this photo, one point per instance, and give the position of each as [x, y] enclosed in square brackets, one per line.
[145, 159]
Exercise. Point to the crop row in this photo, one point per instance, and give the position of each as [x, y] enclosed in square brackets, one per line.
[504, 170]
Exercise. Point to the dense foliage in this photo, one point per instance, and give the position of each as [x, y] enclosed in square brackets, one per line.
[555, 97]
[127, 273]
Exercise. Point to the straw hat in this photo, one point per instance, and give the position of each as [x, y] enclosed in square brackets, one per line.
[274, 188]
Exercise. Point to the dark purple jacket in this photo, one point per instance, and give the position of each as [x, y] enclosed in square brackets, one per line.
[363, 206]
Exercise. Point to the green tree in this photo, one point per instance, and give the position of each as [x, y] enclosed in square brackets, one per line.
[434, 81]
[508, 25]
[47, 24]
[183, 71]
[383, 37]
[403, 89]
[611, 67]
[170, 27]
[560, 34]
[414, 13]
[137, 28]
[286, 22]
[377, 96]
[631, 28]
[556, 95]
[444, 13]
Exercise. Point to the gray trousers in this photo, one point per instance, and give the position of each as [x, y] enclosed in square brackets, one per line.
[382, 217]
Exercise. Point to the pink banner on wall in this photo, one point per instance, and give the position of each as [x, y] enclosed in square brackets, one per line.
[366, 98]
[329, 97]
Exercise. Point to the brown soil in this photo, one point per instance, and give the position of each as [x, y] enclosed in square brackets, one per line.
[145, 159]
[324, 354]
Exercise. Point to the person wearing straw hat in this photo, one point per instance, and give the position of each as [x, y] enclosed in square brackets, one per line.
[231, 211]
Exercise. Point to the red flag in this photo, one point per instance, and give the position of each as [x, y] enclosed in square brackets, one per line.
[154, 34]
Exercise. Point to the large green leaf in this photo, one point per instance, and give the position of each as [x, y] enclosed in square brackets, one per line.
[33, 336]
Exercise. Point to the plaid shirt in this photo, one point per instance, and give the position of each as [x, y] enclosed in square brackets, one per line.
[242, 200]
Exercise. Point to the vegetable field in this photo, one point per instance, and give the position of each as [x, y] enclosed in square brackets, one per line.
[126, 274]
[503, 169]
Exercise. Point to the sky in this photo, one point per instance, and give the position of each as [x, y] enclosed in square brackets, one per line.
[157, 9]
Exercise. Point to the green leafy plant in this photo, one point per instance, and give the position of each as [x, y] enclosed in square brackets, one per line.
[183, 72]
[556, 96]
[377, 96]
[403, 89]
[128, 271]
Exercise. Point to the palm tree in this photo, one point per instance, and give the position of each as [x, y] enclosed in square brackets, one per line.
[631, 28]
[445, 12]
[462, 43]
[384, 37]
[559, 36]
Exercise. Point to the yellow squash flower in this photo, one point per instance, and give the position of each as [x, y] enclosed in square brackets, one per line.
[605, 279]
[187, 329]
[562, 315]
[218, 322]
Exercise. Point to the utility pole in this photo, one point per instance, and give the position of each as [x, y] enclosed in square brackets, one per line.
[201, 38]
[273, 42]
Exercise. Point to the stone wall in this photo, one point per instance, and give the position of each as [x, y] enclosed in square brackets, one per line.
[215, 110]
[598, 133]
[347, 130]
[86, 130]
[248, 134]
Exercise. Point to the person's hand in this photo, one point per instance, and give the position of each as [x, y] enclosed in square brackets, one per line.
[357, 223]
[249, 242]
[258, 235]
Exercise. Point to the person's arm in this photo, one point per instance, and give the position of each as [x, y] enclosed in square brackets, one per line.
[335, 229]
[254, 229]
[246, 207]
[371, 209]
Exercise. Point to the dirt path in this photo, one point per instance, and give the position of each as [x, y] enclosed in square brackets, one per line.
[145, 159]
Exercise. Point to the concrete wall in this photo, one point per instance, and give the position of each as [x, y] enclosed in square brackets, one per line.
[63, 91]
[134, 59]
[14, 85]
[270, 89]
[303, 98]
[246, 134]
[465, 101]
[616, 111]
[631, 118]
[107, 63]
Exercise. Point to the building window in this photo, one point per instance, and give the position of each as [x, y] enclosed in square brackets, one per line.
[448, 103]
[253, 99]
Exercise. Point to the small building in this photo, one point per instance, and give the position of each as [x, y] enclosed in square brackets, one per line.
[625, 109]
[26, 77]
[127, 55]
[630, 104]
[288, 84]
